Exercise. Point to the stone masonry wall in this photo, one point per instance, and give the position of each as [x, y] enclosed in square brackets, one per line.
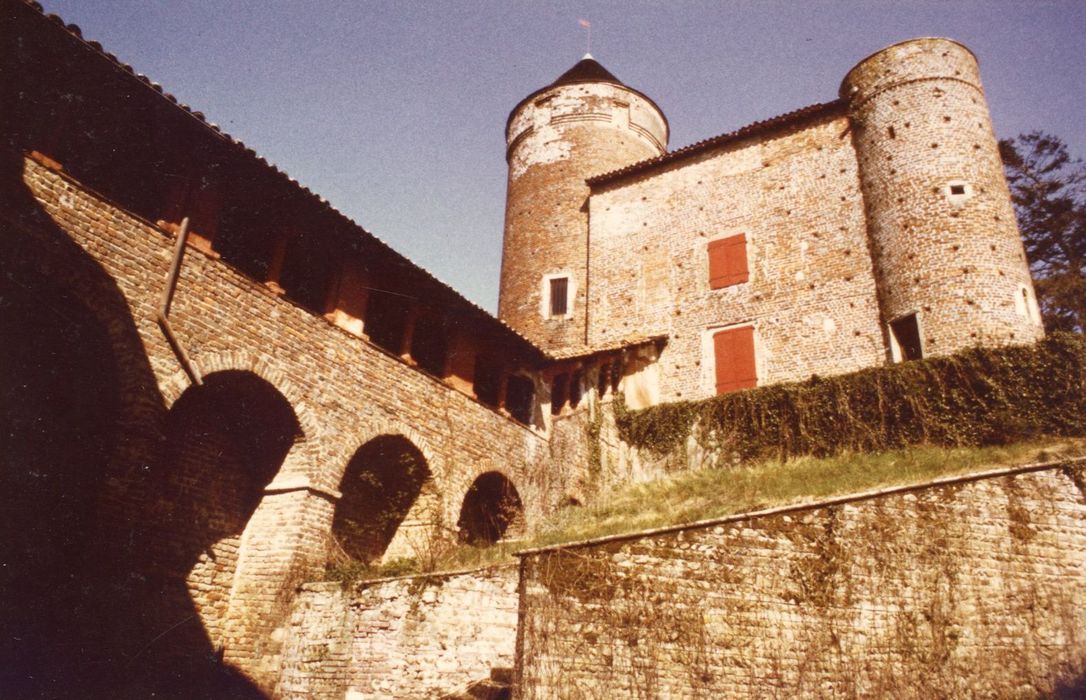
[966, 587]
[955, 260]
[556, 141]
[340, 390]
[596, 460]
[405, 638]
[811, 295]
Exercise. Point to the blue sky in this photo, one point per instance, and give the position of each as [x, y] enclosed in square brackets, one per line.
[394, 111]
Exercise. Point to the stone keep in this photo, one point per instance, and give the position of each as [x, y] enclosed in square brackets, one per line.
[882, 218]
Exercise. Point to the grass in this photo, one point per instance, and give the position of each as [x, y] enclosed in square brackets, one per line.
[687, 497]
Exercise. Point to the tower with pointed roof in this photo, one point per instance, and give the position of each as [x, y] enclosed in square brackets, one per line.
[585, 123]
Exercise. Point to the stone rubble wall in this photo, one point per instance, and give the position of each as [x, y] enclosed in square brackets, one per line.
[342, 390]
[965, 587]
[811, 296]
[415, 637]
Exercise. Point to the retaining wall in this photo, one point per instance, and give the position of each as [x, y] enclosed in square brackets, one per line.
[966, 587]
[405, 638]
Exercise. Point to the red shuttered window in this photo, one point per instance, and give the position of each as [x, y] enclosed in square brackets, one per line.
[733, 351]
[728, 261]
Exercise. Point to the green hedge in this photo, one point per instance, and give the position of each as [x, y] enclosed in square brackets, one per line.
[981, 396]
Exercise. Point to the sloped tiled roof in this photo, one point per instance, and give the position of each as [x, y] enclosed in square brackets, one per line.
[622, 344]
[74, 31]
[780, 121]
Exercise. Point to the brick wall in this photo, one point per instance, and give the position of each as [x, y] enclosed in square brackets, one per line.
[811, 296]
[556, 140]
[406, 638]
[956, 261]
[966, 587]
[229, 565]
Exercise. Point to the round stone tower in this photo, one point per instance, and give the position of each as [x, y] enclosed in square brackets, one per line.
[949, 263]
[585, 123]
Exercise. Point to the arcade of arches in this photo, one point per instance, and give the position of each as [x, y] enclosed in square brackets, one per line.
[390, 507]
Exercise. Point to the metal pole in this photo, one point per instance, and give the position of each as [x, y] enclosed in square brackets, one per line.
[163, 315]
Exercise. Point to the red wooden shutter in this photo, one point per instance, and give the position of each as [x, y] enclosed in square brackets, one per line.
[734, 353]
[728, 261]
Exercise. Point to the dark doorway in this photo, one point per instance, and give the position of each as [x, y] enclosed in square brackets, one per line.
[491, 507]
[520, 398]
[906, 332]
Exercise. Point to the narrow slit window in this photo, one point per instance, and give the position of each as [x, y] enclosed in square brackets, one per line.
[559, 290]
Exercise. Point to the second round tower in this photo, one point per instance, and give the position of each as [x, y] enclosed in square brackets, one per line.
[950, 266]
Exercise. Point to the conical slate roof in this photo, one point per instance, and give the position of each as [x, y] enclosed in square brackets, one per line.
[587, 70]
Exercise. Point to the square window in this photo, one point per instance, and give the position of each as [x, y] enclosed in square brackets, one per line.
[728, 261]
[958, 192]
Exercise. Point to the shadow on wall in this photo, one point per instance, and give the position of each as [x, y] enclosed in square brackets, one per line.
[93, 597]
[492, 509]
[1074, 690]
[381, 484]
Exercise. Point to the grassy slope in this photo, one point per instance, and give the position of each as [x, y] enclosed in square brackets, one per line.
[687, 497]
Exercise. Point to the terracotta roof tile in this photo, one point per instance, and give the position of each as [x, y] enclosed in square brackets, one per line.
[622, 344]
[96, 47]
[706, 144]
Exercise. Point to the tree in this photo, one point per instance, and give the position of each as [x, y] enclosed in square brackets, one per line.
[1048, 189]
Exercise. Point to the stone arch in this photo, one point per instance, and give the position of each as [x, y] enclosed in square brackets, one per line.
[388, 506]
[492, 509]
[420, 528]
[461, 480]
[385, 426]
[226, 440]
[303, 456]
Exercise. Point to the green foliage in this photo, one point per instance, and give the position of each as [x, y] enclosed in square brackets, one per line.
[982, 396]
[689, 496]
[592, 438]
[703, 494]
[901, 424]
[1048, 189]
[349, 571]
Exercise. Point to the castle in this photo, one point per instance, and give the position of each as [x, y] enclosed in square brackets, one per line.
[871, 229]
[219, 378]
